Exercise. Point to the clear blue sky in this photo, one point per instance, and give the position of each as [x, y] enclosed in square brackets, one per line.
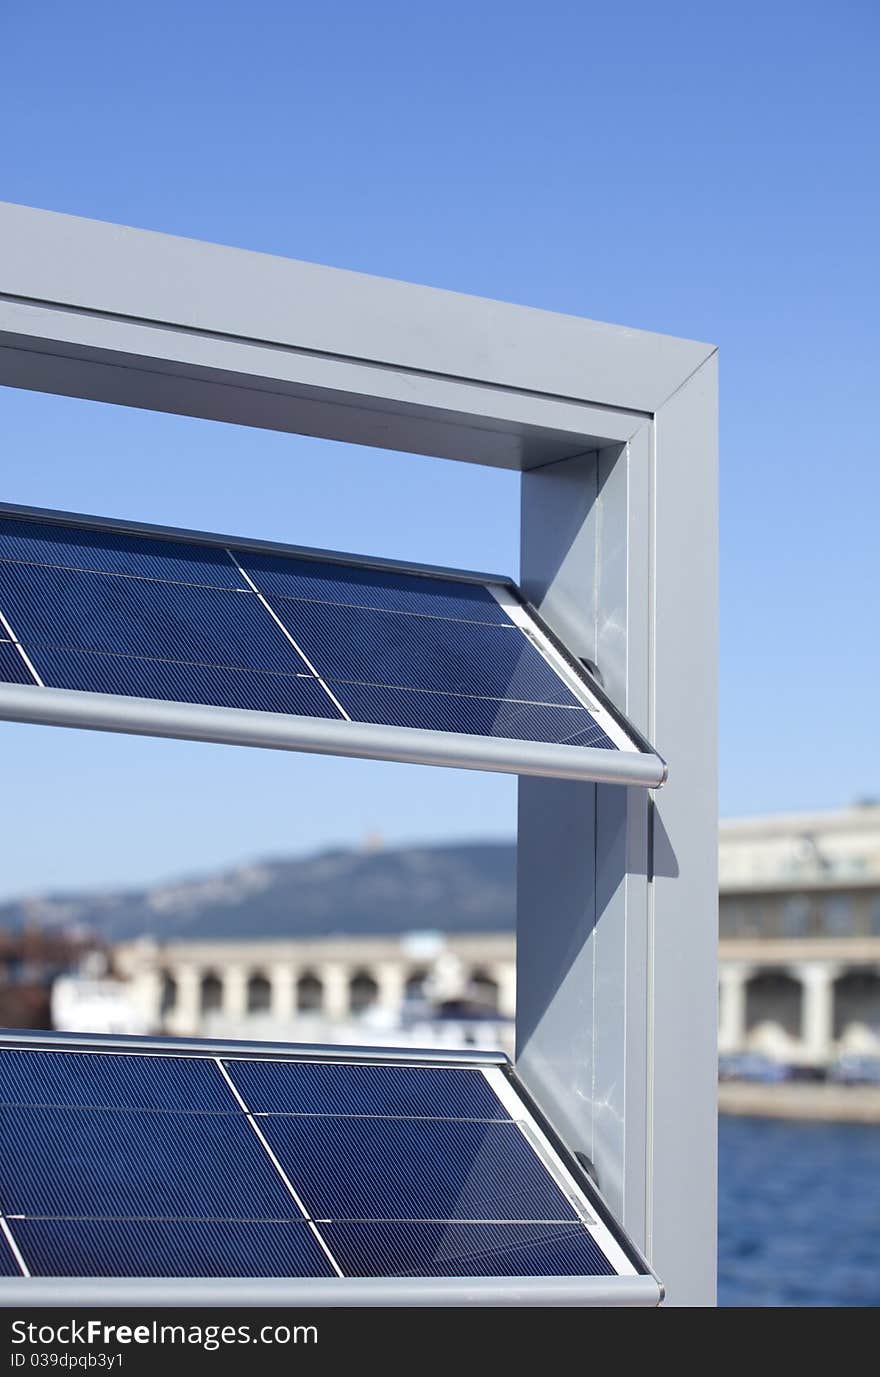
[708, 171]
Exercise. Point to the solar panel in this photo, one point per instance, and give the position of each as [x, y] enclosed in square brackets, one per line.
[152, 1163]
[319, 653]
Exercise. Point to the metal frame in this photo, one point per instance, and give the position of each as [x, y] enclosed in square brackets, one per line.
[641, 1289]
[616, 433]
[345, 1292]
[277, 731]
[25, 1038]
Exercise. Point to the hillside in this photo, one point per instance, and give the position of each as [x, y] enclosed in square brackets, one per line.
[455, 887]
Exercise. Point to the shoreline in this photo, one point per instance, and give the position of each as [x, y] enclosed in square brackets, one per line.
[819, 1101]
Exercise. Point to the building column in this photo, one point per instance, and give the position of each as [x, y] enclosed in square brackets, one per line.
[504, 975]
[235, 980]
[817, 1011]
[283, 980]
[388, 975]
[334, 976]
[185, 1017]
[732, 1006]
[145, 987]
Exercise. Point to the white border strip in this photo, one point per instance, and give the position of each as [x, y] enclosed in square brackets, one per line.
[520, 618]
[16, 1251]
[297, 647]
[21, 650]
[540, 1145]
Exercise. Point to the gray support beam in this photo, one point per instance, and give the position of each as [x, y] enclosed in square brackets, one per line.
[144, 319]
[103, 270]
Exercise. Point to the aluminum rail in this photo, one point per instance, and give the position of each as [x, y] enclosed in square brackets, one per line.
[331, 1291]
[323, 736]
[30, 1038]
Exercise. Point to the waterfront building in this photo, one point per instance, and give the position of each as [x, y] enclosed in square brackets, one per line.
[800, 935]
[421, 988]
[799, 974]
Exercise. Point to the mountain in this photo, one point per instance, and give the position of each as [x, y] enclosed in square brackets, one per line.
[454, 887]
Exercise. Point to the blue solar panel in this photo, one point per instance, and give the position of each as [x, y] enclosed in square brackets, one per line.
[111, 552]
[174, 681]
[175, 620]
[478, 716]
[101, 1080]
[13, 669]
[362, 1168]
[348, 643]
[136, 1162]
[125, 616]
[160, 1171]
[171, 1248]
[311, 1087]
[428, 1249]
[314, 580]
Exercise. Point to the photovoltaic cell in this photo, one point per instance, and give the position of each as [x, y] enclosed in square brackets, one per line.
[423, 1248]
[174, 681]
[100, 1080]
[477, 716]
[313, 580]
[347, 643]
[13, 669]
[362, 1168]
[124, 616]
[171, 1248]
[111, 552]
[134, 1162]
[307, 1087]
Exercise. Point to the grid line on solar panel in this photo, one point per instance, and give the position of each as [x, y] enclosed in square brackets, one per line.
[414, 1169]
[440, 1248]
[186, 1248]
[346, 1089]
[89, 549]
[66, 1162]
[164, 621]
[287, 1248]
[427, 693]
[325, 581]
[298, 648]
[132, 578]
[281, 601]
[112, 1080]
[180, 681]
[379, 647]
[471, 714]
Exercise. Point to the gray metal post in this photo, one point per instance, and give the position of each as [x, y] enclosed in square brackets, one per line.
[617, 894]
